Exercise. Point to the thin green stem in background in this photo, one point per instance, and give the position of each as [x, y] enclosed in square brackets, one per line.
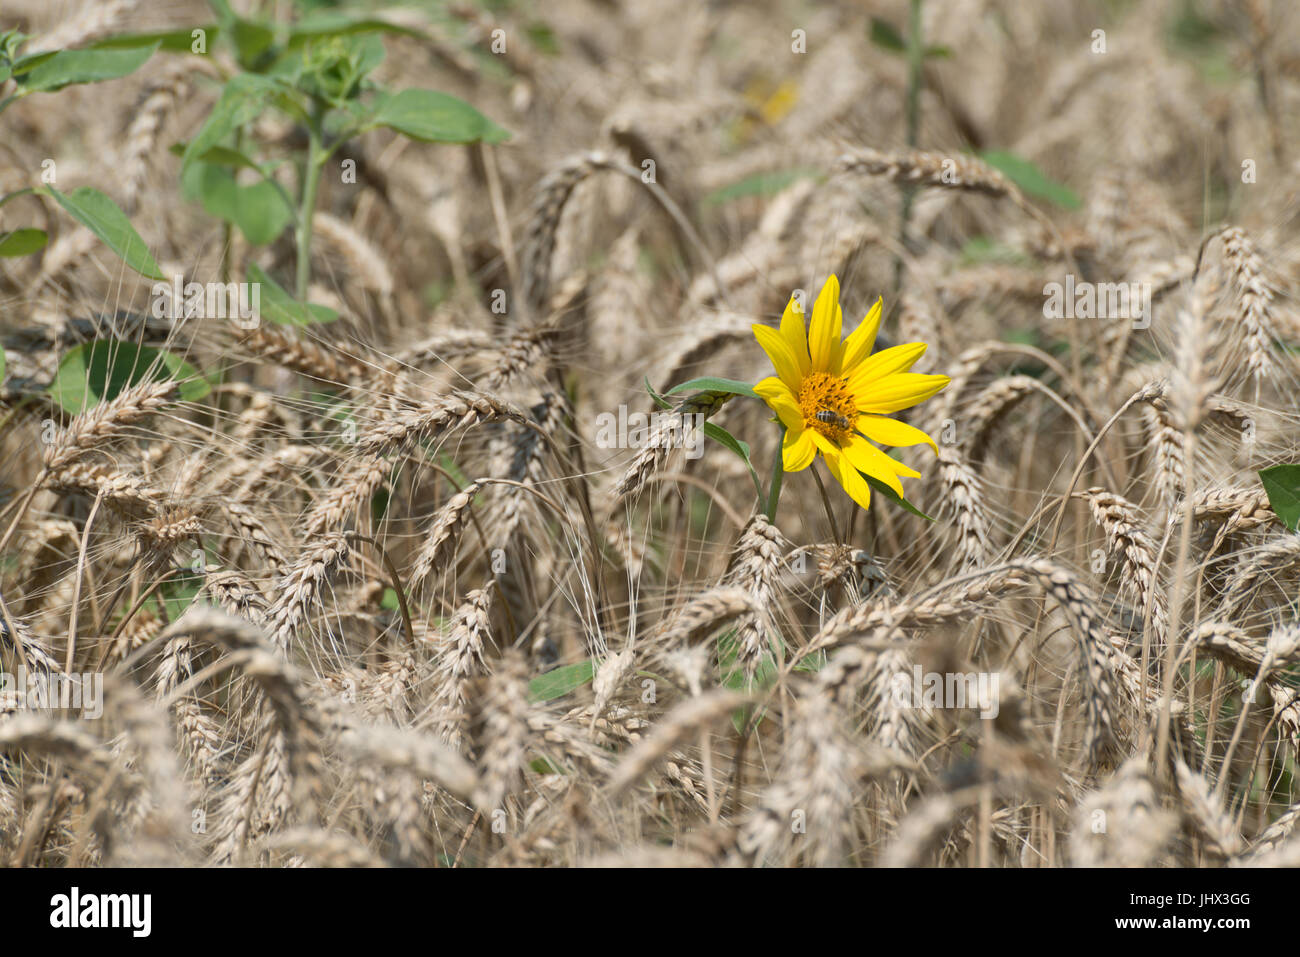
[311, 184]
[778, 474]
[826, 502]
[915, 62]
[915, 65]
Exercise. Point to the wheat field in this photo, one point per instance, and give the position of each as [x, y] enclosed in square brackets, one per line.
[400, 572]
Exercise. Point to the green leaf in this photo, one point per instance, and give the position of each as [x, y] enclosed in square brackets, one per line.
[545, 766]
[561, 681]
[1030, 179]
[886, 36]
[1282, 483]
[716, 432]
[714, 384]
[280, 307]
[727, 440]
[1191, 29]
[542, 37]
[106, 220]
[760, 184]
[67, 67]
[258, 209]
[252, 42]
[379, 503]
[367, 56]
[659, 400]
[334, 71]
[219, 156]
[812, 663]
[180, 40]
[707, 400]
[11, 41]
[458, 476]
[893, 496]
[983, 249]
[97, 371]
[723, 437]
[436, 118]
[22, 242]
[179, 592]
[731, 674]
[25, 64]
[329, 25]
[241, 101]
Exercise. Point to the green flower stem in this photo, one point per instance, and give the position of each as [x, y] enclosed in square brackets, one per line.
[311, 184]
[778, 475]
[826, 502]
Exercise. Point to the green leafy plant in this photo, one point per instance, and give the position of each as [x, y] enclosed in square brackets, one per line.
[318, 75]
[49, 71]
[317, 72]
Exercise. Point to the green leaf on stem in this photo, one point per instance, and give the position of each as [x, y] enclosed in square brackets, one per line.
[715, 384]
[281, 308]
[258, 209]
[69, 67]
[1282, 483]
[561, 681]
[1030, 179]
[434, 117]
[97, 371]
[887, 36]
[243, 99]
[894, 497]
[105, 219]
[22, 242]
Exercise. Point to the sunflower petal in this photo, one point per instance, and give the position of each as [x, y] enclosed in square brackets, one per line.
[783, 358]
[772, 387]
[797, 450]
[795, 333]
[824, 445]
[896, 392]
[865, 457]
[853, 483]
[892, 432]
[859, 342]
[781, 400]
[824, 330]
[885, 363]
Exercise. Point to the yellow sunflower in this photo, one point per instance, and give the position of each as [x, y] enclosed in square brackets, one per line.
[832, 395]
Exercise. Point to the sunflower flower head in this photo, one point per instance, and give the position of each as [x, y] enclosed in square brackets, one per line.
[834, 396]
